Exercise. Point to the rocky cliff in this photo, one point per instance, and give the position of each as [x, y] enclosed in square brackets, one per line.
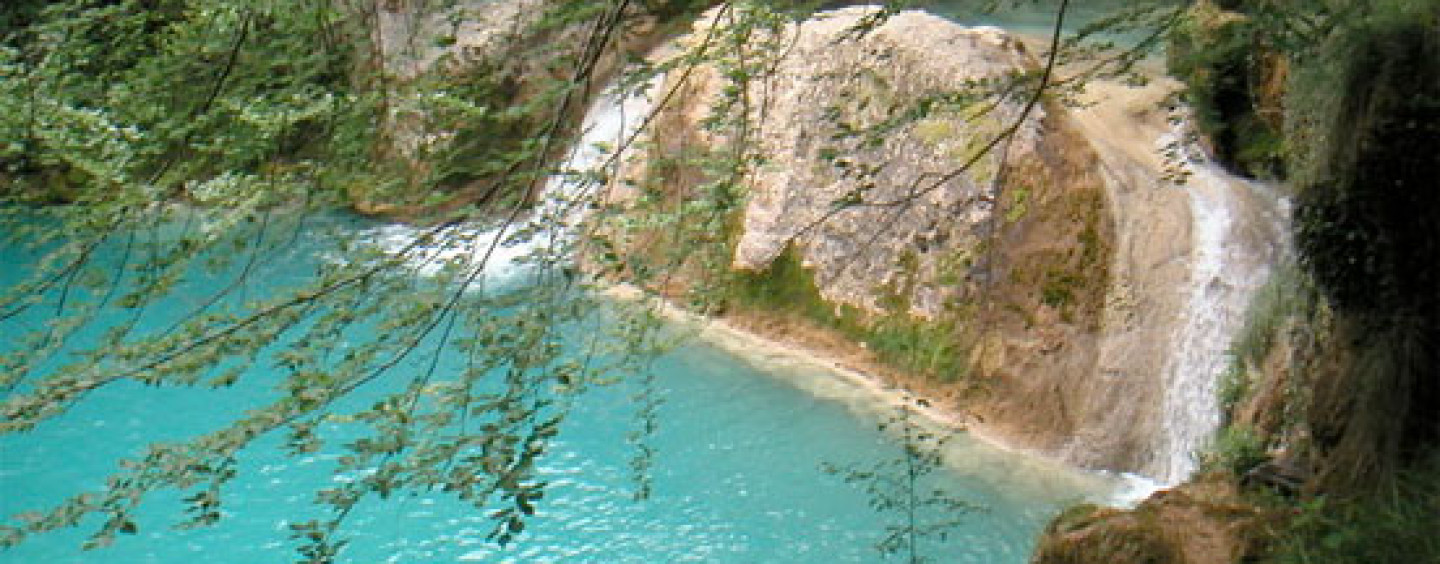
[860, 174]
[876, 187]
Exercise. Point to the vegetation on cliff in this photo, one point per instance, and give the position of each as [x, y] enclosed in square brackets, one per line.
[1359, 315]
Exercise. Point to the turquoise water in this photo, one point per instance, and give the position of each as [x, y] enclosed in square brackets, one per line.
[1037, 19]
[737, 474]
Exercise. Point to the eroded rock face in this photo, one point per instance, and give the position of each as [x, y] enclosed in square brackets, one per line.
[413, 37]
[1147, 270]
[867, 168]
[916, 217]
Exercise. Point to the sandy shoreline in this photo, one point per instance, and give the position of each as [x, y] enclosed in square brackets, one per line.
[754, 346]
[774, 354]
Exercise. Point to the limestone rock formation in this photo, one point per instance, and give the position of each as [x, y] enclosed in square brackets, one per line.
[865, 143]
[1085, 304]
[914, 218]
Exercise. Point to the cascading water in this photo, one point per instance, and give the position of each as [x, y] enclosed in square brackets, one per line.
[609, 124]
[1237, 232]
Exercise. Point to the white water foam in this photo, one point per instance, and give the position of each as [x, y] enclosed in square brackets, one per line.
[1235, 227]
[1133, 489]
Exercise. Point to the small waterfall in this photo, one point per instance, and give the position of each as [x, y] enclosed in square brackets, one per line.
[610, 123]
[1238, 229]
[609, 127]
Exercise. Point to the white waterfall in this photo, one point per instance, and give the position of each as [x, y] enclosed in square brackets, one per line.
[608, 127]
[1237, 233]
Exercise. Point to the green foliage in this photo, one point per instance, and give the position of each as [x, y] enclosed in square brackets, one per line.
[1018, 206]
[1367, 173]
[1236, 450]
[898, 489]
[1288, 298]
[17, 16]
[145, 98]
[1218, 54]
[481, 124]
[1394, 527]
[1367, 105]
[1057, 289]
[1287, 295]
[929, 348]
[785, 286]
[1234, 386]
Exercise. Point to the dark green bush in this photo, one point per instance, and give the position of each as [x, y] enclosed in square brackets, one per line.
[1396, 527]
[1237, 450]
[1368, 195]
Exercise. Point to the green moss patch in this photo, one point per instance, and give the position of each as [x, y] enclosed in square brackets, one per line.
[929, 348]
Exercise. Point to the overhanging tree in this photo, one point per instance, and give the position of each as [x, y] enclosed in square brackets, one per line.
[146, 141]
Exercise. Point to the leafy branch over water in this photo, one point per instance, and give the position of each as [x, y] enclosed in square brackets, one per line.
[918, 514]
[151, 146]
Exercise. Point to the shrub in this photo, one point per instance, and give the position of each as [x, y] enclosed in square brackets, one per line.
[1396, 527]
[1237, 450]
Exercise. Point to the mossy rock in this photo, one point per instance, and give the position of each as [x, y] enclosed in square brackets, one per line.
[1229, 77]
[1204, 522]
[1087, 534]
